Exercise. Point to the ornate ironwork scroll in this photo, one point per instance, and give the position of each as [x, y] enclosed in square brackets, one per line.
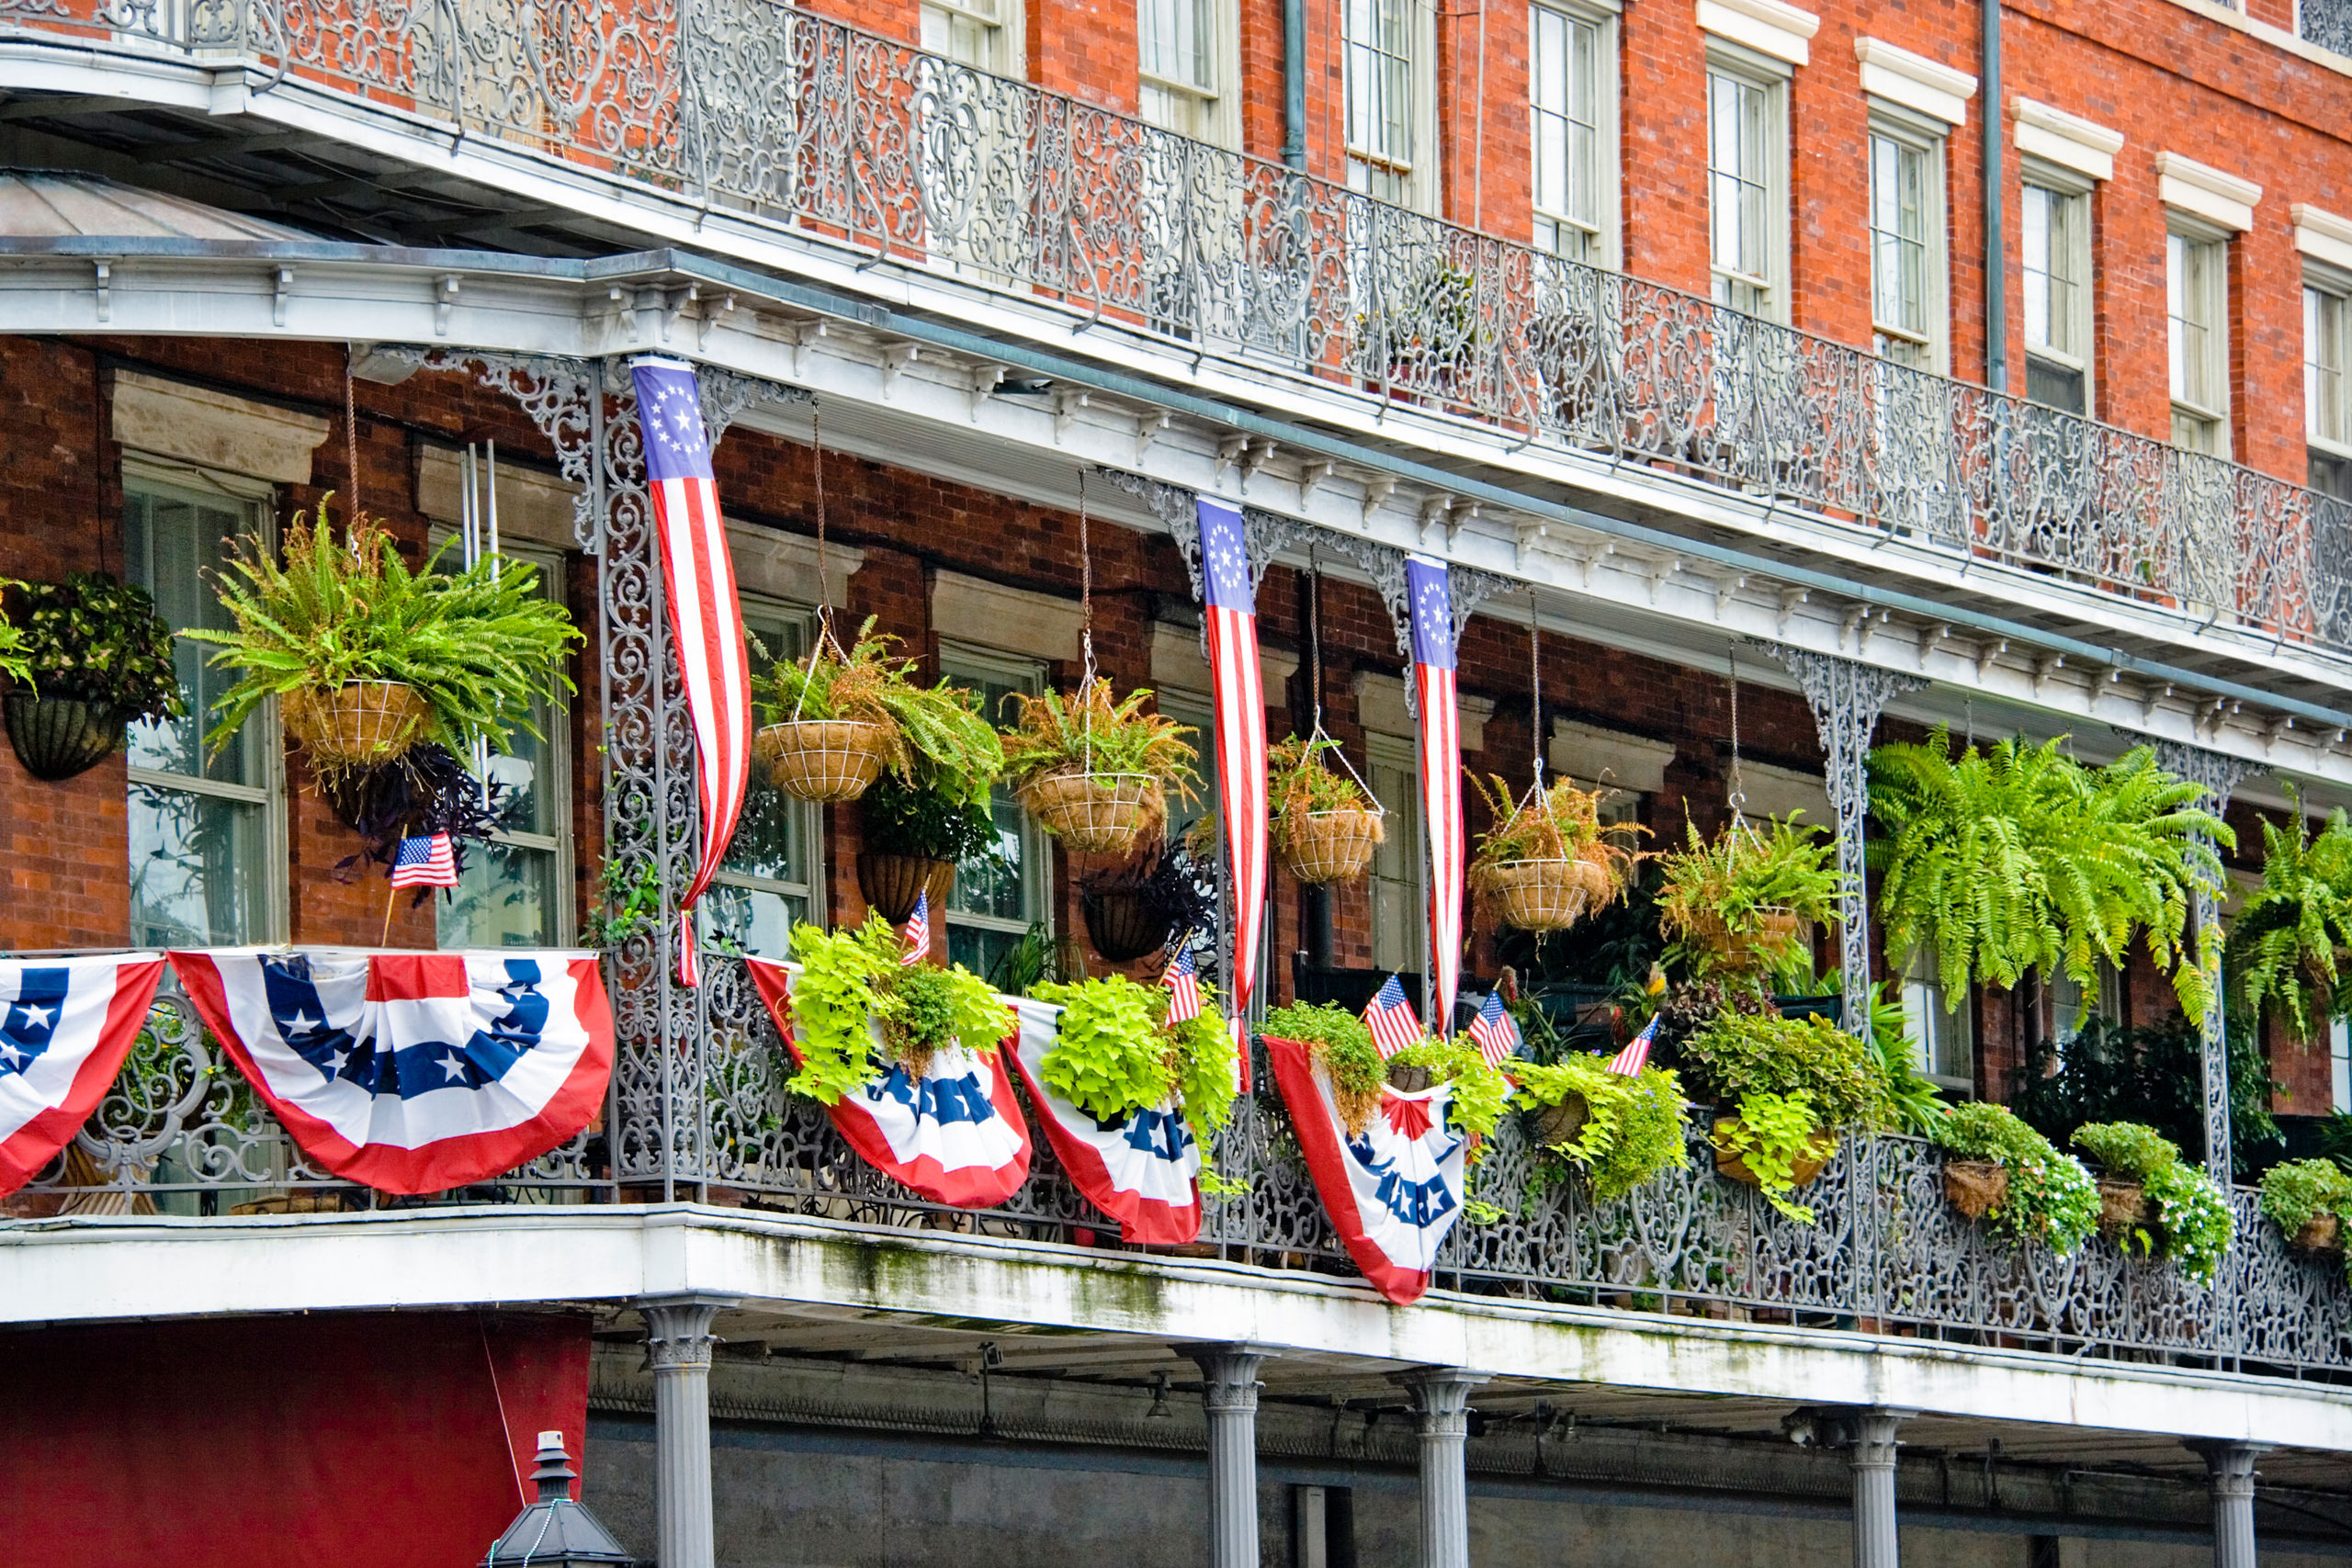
[552, 391]
[2217, 773]
[1847, 699]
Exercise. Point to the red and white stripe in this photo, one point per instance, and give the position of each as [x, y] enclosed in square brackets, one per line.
[1630, 1062]
[1440, 758]
[1242, 792]
[706, 627]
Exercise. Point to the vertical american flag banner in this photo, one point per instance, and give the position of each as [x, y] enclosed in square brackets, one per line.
[1429, 594]
[1232, 618]
[705, 619]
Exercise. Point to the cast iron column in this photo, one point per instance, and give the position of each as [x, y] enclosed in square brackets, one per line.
[2230, 1467]
[1873, 1460]
[2218, 774]
[1441, 1399]
[1229, 1394]
[678, 1342]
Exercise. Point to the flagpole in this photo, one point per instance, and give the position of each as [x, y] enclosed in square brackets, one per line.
[385, 936]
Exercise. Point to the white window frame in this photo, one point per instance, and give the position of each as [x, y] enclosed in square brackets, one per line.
[1386, 752]
[1918, 135]
[1771, 77]
[1416, 173]
[1210, 112]
[2327, 283]
[270, 915]
[2212, 292]
[2340, 1065]
[1603, 239]
[1925, 1016]
[962, 661]
[813, 893]
[2072, 189]
[1006, 25]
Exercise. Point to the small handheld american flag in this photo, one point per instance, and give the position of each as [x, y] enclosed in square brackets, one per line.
[1497, 1034]
[1391, 1019]
[1630, 1062]
[918, 932]
[425, 861]
[1182, 979]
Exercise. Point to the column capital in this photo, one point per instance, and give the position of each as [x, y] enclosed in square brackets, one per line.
[2228, 1464]
[677, 1328]
[1229, 1373]
[1441, 1397]
[1873, 1443]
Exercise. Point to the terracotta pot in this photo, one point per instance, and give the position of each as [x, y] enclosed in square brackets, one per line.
[891, 884]
[1975, 1186]
[2124, 1206]
[1320, 847]
[1561, 1123]
[821, 760]
[1803, 1170]
[357, 724]
[1120, 927]
[2320, 1233]
[57, 738]
[1098, 814]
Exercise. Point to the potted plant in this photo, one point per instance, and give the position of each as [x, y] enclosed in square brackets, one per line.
[914, 838]
[1619, 1131]
[857, 1012]
[2149, 1195]
[1793, 1085]
[87, 655]
[2286, 948]
[2003, 1172]
[1136, 910]
[2306, 1199]
[1116, 1054]
[1481, 1093]
[1096, 773]
[830, 725]
[2019, 858]
[1742, 903]
[1326, 824]
[1548, 862]
[1341, 1047]
[2125, 1152]
[368, 659]
[2193, 1214]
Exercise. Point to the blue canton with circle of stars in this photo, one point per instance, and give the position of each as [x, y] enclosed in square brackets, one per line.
[670, 403]
[1425, 585]
[1225, 559]
[30, 1026]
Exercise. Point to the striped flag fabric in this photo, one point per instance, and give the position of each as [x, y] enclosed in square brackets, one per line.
[1182, 979]
[706, 618]
[689, 953]
[1495, 1032]
[1390, 1018]
[1630, 1062]
[66, 1027]
[426, 860]
[917, 932]
[1231, 615]
[1428, 592]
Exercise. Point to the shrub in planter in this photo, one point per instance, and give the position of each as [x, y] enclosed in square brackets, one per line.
[914, 837]
[1326, 824]
[852, 987]
[1741, 903]
[1630, 1128]
[2041, 1194]
[1548, 862]
[832, 723]
[88, 656]
[1339, 1041]
[1096, 773]
[2307, 1199]
[1481, 1093]
[2285, 946]
[2195, 1215]
[1771, 1069]
[2149, 1195]
[1116, 1054]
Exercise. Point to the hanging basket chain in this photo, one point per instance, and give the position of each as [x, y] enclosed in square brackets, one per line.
[351, 450]
[824, 637]
[1536, 688]
[1314, 652]
[1086, 625]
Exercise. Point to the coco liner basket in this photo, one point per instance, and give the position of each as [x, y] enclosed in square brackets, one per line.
[1330, 846]
[1776, 935]
[357, 724]
[1975, 1187]
[1092, 813]
[1804, 1168]
[1544, 895]
[821, 758]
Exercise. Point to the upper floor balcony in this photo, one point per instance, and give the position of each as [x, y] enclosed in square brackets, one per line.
[736, 118]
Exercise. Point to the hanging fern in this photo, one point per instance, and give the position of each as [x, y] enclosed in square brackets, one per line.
[2283, 947]
[2019, 858]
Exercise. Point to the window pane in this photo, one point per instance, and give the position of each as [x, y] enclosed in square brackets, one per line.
[194, 868]
[506, 898]
[173, 545]
[764, 883]
[1396, 916]
[757, 920]
[1014, 892]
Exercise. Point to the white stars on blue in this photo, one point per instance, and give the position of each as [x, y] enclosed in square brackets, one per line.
[1432, 607]
[1225, 558]
[29, 1024]
[670, 402]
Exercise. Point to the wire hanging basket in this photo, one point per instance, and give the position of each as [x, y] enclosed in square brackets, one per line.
[1096, 814]
[821, 759]
[357, 724]
[1319, 847]
[1542, 895]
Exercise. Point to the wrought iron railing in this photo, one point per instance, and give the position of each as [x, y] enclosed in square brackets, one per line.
[2327, 23]
[847, 137]
[1888, 1255]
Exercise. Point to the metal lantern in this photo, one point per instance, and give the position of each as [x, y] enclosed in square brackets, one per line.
[556, 1531]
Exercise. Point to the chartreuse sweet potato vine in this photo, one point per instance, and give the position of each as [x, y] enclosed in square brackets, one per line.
[852, 988]
[1116, 1053]
[1633, 1126]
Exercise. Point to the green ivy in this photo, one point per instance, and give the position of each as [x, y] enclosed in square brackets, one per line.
[2195, 1213]
[851, 976]
[1632, 1128]
[1116, 1054]
[1771, 1133]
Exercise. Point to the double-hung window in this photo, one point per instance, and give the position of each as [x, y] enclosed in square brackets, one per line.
[2197, 294]
[1188, 54]
[1397, 916]
[994, 904]
[1572, 92]
[2057, 245]
[1748, 193]
[1906, 230]
[769, 879]
[2327, 349]
[1388, 46]
[1942, 1036]
[205, 829]
[985, 34]
[516, 890]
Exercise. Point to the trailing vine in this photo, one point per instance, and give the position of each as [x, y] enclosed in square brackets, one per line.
[1116, 1054]
[852, 987]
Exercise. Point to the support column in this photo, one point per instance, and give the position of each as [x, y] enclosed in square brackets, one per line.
[2219, 774]
[1441, 1399]
[2230, 1470]
[1230, 1395]
[678, 1343]
[1871, 1458]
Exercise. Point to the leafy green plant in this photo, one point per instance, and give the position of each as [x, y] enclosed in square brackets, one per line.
[1561, 822]
[2154, 1074]
[1340, 1042]
[1480, 1092]
[2125, 1150]
[1913, 1101]
[479, 646]
[94, 639]
[1116, 1053]
[2294, 1192]
[937, 739]
[2282, 948]
[1728, 887]
[852, 982]
[1300, 785]
[1087, 732]
[2052, 1197]
[1771, 1135]
[1739, 1055]
[624, 906]
[2195, 1214]
[901, 819]
[1633, 1127]
[2019, 858]
[13, 663]
[1037, 958]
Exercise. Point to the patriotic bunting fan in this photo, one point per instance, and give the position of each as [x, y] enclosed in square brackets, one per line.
[66, 1025]
[1141, 1170]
